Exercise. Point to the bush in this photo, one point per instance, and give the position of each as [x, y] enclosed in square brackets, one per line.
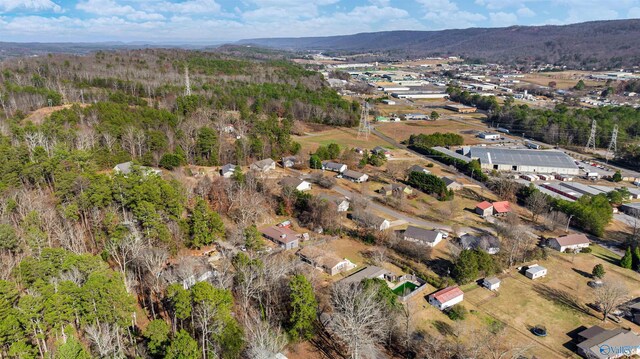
[170, 161]
[586, 250]
[457, 312]
[598, 271]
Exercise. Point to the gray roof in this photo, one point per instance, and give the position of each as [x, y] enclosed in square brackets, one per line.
[264, 163]
[352, 174]
[421, 234]
[522, 157]
[614, 338]
[485, 242]
[367, 273]
[332, 165]
[536, 269]
[418, 168]
[291, 182]
[579, 187]
[229, 167]
[124, 167]
[452, 154]
[492, 280]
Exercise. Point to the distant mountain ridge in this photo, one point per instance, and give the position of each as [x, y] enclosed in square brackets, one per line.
[599, 44]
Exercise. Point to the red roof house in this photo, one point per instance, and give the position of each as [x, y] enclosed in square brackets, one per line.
[503, 207]
[446, 298]
[484, 209]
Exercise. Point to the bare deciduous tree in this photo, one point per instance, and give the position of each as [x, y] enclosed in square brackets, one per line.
[105, 340]
[538, 204]
[358, 319]
[610, 296]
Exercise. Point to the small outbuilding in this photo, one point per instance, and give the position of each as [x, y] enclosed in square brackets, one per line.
[485, 209]
[492, 283]
[452, 184]
[535, 272]
[446, 298]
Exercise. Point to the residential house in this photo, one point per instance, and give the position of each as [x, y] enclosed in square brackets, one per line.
[355, 176]
[485, 209]
[487, 243]
[228, 170]
[370, 272]
[446, 298]
[127, 167]
[535, 271]
[379, 150]
[371, 221]
[333, 166]
[423, 236]
[265, 165]
[284, 236]
[599, 343]
[396, 190]
[452, 184]
[492, 283]
[501, 208]
[418, 168]
[290, 161]
[570, 243]
[295, 183]
[342, 203]
[324, 260]
[634, 313]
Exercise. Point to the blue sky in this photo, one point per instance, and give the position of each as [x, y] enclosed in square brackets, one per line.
[202, 21]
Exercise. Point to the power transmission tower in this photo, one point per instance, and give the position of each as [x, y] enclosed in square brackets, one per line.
[613, 145]
[365, 128]
[591, 144]
[187, 83]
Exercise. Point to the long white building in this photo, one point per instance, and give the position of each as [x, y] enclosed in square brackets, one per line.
[524, 160]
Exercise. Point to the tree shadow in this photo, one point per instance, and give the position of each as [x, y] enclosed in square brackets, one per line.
[440, 266]
[607, 258]
[323, 342]
[562, 298]
[443, 328]
[582, 273]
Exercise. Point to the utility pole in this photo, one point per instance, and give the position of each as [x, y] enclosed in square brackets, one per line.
[187, 83]
[591, 144]
[613, 145]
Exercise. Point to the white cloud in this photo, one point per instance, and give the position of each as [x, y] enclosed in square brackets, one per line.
[112, 8]
[502, 19]
[525, 12]
[438, 5]
[191, 7]
[634, 12]
[30, 5]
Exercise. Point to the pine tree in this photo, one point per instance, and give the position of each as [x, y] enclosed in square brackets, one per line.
[303, 308]
[598, 271]
[636, 259]
[627, 260]
[183, 346]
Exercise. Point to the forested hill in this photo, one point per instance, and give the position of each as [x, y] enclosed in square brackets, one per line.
[591, 44]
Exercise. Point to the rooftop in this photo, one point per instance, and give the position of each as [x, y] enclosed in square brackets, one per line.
[502, 207]
[536, 269]
[573, 239]
[492, 280]
[367, 273]
[484, 205]
[320, 256]
[280, 234]
[422, 234]
[447, 294]
[522, 157]
[352, 174]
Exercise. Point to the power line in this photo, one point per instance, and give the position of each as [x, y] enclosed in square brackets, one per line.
[591, 144]
[365, 127]
[187, 83]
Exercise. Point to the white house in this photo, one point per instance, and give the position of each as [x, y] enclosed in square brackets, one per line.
[535, 271]
[446, 298]
[342, 203]
[423, 236]
[228, 170]
[489, 136]
[334, 166]
[296, 183]
[326, 261]
[570, 243]
[355, 176]
[492, 283]
[265, 165]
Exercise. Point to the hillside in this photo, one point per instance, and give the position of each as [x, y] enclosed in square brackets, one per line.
[590, 44]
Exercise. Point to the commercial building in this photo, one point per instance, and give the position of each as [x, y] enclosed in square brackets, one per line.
[524, 160]
[420, 95]
[460, 108]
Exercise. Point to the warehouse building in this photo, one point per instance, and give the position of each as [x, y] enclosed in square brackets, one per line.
[460, 108]
[420, 95]
[523, 160]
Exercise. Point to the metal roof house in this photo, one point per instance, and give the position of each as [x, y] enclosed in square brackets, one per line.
[446, 298]
[524, 160]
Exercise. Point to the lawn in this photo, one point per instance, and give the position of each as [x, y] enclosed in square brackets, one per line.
[401, 131]
[344, 137]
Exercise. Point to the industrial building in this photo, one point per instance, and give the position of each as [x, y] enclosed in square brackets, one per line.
[460, 108]
[523, 160]
[420, 95]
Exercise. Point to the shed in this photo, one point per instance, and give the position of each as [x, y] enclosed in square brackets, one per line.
[535, 271]
[492, 283]
[485, 209]
[446, 298]
[452, 184]
[501, 208]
